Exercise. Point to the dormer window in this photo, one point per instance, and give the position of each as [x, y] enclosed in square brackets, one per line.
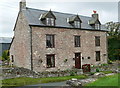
[75, 21]
[97, 26]
[77, 24]
[94, 21]
[48, 18]
[50, 21]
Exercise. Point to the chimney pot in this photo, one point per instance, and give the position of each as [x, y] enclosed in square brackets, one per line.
[94, 11]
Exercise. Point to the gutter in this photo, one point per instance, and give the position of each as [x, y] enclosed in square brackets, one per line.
[34, 25]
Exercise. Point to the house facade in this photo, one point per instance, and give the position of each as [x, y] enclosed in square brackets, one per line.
[48, 40]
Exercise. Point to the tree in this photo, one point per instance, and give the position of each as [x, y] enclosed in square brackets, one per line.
[5, 55]
[113, 28]
[113, 40]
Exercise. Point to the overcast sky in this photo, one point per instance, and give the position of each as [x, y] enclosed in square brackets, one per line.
[108, 11]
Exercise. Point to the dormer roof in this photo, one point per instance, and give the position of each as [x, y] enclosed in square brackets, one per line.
[74, 18]
[94, 21]
[48, 14]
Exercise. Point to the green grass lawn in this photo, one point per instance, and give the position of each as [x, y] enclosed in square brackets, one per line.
[106, 81]
[30, 81]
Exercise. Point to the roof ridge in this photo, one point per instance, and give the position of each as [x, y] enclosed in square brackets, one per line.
[58, 12]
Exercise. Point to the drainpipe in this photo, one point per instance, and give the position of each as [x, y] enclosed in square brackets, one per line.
[31, 48]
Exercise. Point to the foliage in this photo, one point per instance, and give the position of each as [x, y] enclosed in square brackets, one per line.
[5, 55]
[113, 28]
[65, 60]
[113, 40]
[97, 70]
[30, 81]
[72, 73]
[109, 62]
[114, 48]
[106, 81]
[104, 64]
[91, 73]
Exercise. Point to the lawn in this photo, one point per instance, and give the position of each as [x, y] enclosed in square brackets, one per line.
[29, 81]
[106, 81]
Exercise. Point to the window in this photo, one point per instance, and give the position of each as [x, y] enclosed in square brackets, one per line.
[49, 41]
[12, 58]
[77, 24]
[97, 55]
[50, 21]
[97, 40]
[50, 61]
[77, 41]
[97, 26]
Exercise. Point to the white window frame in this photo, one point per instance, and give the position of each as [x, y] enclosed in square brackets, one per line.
[50, 21]
[97, 26]
[77, 24]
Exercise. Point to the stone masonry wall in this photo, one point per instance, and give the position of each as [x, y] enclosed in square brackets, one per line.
[20, 48]
[64, 47]
[15, 72]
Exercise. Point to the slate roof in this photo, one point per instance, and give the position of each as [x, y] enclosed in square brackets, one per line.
[33, 17]
[5, 40]
[93, 21]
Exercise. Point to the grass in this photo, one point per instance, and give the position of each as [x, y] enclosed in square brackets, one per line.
[29, 81]
[106, 81]
[106, 72]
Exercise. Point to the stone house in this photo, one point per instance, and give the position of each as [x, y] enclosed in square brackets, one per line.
[49, 40]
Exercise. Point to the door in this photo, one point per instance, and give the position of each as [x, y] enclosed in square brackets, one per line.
[78, 60]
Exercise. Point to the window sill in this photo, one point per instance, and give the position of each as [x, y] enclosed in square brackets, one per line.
[50, 67]
[77, 46]
[50, 47]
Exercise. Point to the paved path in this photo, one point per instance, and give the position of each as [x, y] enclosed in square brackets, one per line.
[63, 83]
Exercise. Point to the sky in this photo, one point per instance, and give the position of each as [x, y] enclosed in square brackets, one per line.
[107, 10]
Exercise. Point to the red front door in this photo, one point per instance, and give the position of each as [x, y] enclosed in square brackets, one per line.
[78, 60]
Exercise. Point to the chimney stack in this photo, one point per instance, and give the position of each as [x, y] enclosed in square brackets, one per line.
[95, 15]
[22, 5]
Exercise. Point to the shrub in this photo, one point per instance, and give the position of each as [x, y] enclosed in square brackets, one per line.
[5, 55]
[91, 73]
[92, 66]
[72, 73]
[109, 62]
[65, 60]
[97, 70]
[104, 64]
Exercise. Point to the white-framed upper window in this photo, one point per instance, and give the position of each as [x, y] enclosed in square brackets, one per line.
[97, 26]
[77, 24]
[50, 21]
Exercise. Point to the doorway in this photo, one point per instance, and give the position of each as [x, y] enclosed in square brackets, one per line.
[78, 60]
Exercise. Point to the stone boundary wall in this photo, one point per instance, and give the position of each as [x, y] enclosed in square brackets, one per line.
[14, 72]
[108, 67]
[23, 72]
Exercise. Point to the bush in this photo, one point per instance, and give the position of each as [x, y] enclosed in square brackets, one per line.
[97, 70]
[65, 60]
[104, 64]
[72, 73]
[91, 73]
[5, 55]
[109, 62]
